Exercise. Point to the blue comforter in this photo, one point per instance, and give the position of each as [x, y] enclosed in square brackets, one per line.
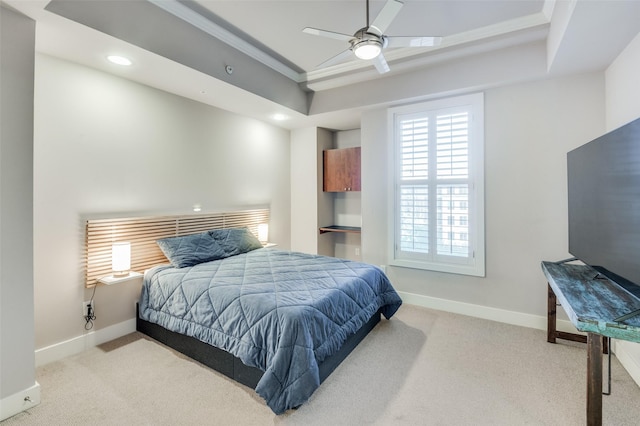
[282, 312]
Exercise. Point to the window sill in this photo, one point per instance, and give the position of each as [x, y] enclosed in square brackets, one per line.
[471, 270]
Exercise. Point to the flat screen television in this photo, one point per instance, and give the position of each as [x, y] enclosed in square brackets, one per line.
[604, 205]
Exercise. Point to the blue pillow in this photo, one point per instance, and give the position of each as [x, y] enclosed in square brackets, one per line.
[235, 240]
[190, 250]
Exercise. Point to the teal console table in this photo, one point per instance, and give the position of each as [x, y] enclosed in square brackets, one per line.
[593, 303]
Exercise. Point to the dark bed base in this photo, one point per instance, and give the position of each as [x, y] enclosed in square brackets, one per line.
[227, 364]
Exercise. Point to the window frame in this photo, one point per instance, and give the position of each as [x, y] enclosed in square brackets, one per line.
[474, 264]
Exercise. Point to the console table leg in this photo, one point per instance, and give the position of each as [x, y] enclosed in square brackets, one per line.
[594, 379]
[551, 315]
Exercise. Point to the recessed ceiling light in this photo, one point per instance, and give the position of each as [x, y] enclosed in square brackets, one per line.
[120, 60]
[280, 117]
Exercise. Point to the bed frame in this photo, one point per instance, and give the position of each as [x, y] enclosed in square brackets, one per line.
[142, 233]
[231, 366]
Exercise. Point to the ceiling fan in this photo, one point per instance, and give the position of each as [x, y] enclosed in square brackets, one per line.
[368, 43]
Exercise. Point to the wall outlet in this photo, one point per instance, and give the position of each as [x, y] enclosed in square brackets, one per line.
[357, 251]
[85, 307]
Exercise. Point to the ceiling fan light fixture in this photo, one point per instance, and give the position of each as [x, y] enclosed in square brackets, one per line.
[367, 49]
[368, 43]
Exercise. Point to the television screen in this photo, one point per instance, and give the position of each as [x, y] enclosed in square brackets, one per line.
[604, 205]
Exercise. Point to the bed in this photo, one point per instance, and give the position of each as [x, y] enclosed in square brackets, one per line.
[271, 319]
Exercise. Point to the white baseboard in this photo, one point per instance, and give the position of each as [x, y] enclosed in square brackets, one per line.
[485, 312]
[20, 401]
[81, 343]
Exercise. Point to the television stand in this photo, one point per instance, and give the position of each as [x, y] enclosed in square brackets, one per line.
[593, 304]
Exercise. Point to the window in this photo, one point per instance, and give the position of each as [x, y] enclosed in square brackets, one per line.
[438, 185]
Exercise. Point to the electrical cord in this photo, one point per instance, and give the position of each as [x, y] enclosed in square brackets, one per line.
[91, 313]
[90, 317]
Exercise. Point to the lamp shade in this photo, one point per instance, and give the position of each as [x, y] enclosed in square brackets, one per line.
[263, 232]
[121, 258]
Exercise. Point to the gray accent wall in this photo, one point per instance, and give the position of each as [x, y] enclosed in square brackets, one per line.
[17, 365]
[140, 22]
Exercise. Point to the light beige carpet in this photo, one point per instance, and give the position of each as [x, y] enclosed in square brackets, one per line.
[423, 367]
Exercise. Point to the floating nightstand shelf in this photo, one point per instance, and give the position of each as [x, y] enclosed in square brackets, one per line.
[110, 279]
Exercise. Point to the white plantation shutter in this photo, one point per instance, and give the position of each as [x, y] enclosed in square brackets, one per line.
[438, 189]
[415, 148]
[414, 198]
[452, 145]
[452, 140]
[414, 218]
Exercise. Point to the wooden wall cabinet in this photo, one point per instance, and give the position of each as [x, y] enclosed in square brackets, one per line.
[341, 170]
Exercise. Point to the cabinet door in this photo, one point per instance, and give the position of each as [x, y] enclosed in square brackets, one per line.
[341, 170]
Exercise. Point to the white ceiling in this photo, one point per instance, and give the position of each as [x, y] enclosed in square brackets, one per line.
[278, 24]
[271, 32]
[275, 27]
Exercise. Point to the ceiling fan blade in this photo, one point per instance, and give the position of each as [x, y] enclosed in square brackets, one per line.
[329, 34]
[385, 17]
[340, 57]
[381, 64]
[400, 41]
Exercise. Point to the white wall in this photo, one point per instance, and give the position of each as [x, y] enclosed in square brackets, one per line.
[304, 203]
[17, 369]
[623, 106]
[623, 87]
[310, 206]
[108, 146]
[529, 128]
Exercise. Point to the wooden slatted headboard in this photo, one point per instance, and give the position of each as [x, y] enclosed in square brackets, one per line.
[142, 233]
